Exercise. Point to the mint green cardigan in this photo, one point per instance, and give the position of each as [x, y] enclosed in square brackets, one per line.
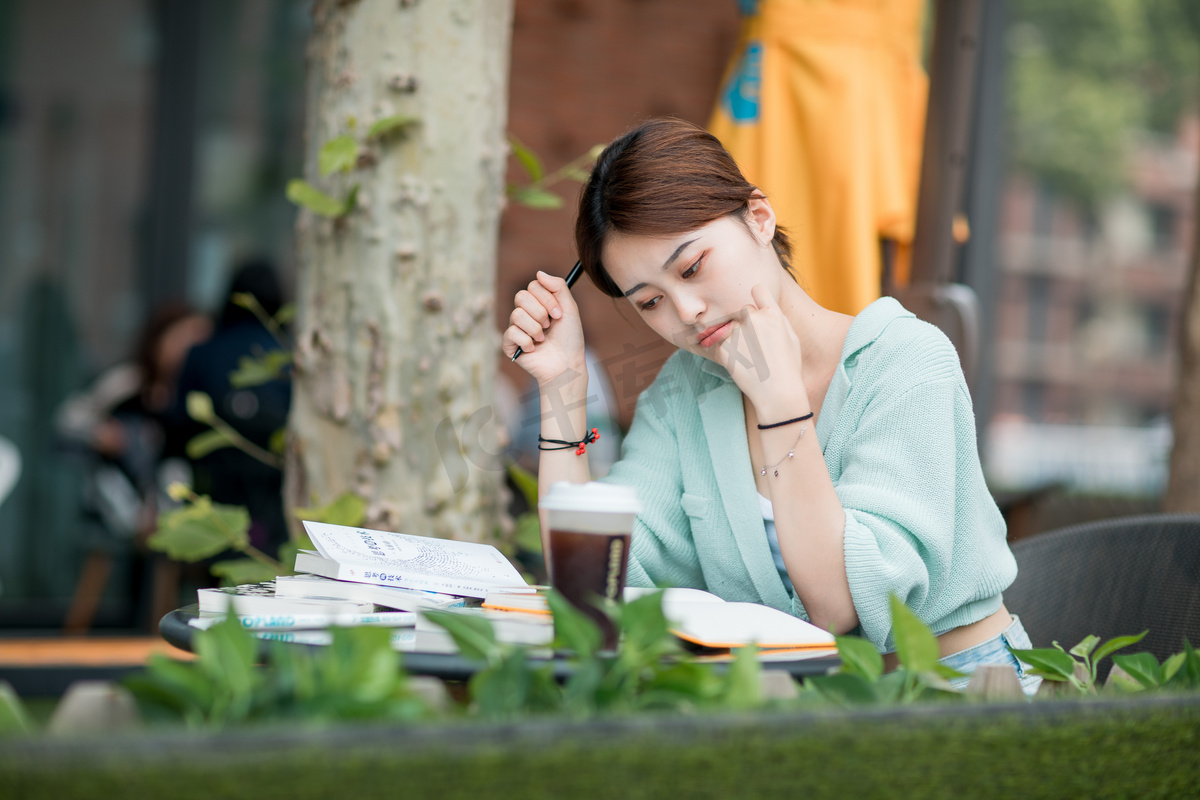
[898, 434]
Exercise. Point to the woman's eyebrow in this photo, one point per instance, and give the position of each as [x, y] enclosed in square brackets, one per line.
[666, 264]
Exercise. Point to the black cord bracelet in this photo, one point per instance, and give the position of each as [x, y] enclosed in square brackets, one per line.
[785, 422]
[580, 446]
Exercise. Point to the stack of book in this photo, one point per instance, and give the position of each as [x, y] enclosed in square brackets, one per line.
[357, 576]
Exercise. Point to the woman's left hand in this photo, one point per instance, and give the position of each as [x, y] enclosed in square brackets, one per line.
[762, 354]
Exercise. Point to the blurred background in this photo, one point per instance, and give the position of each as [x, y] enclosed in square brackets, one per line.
[145, 146]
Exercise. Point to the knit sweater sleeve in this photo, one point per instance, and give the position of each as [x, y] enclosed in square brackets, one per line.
[920, 522]
[662, 552]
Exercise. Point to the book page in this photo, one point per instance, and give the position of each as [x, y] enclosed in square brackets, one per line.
[401, 552]
[739, 624]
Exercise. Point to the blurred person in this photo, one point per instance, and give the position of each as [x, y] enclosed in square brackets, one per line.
[121, 424]
[122, 419]
[229, 475]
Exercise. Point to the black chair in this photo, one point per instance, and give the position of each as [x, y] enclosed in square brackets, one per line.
[1112, 578]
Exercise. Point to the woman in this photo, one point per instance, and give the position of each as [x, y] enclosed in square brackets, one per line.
[786, 454]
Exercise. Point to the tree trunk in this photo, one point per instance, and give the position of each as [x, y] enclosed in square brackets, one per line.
[395, 344]
[1183, 487]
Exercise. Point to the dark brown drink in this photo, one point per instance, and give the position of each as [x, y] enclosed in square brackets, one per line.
[589, 569]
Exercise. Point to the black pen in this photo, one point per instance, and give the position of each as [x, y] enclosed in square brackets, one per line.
[572, 276]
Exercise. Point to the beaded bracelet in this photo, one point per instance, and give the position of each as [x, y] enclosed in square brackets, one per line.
[581, 445]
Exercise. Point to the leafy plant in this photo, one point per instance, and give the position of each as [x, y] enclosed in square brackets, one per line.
[1076, 666]
[536, 193]
[648, 671]
[861, 679]
[202, 529]
[340, 155]
[358, 677]
[1141, 671]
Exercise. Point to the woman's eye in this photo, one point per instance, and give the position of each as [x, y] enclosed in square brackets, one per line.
[690, 271]
[649, 304]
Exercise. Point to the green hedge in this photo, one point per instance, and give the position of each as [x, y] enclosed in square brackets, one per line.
[1143, 746]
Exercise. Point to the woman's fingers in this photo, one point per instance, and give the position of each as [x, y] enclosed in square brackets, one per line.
[529, 303]
[545, 296]
[524, 321]
[514, 337]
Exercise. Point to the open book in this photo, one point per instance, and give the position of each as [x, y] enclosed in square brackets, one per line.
[411, 562]
[704, 619]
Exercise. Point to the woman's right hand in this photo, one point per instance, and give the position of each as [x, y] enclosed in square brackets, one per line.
[545, 324]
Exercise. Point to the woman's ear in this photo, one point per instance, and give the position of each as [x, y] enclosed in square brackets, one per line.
[760, 217]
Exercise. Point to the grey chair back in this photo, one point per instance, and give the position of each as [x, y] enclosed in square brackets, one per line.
[1112, 578]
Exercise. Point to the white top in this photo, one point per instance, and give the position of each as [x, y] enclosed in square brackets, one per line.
[768, 515]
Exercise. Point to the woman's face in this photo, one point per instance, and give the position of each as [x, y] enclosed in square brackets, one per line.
[690, 287]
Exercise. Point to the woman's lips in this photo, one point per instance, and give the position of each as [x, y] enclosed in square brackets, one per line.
[714, 334]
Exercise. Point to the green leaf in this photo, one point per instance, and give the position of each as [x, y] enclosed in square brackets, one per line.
[339, 154]
[647, 633]
[859, 657]
[237, 571]
[201, 530]
[1051, 663]
[278, 442]
[389, 125]
[526, 482]
[1171, 667]
[844, 689]
[1085, 648]
[285, 314]
[576, 174]
[207, 442]
[743, 685]
[947, 672]
[502, 690]
[226, 654]
[348, 508]
[308, 196]
[1143, 667]
[200, 407]
[257, 370]
[13, 716]
[173, 689]
[473, 635]
[1187, 674]
[1115, 644]
[534, 197]
[528, 532]
[527, 159]
[916, 646]
[573, 629]
[351, 201]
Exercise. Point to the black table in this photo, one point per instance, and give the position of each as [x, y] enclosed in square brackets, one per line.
[175, 629]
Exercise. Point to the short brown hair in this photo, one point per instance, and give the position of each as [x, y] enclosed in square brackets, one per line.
[662, 178]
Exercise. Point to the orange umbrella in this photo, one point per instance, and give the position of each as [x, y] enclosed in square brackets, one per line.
[823, 106]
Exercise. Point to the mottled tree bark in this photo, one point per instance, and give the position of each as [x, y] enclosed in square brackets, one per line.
[1183, 487]
[396, 348]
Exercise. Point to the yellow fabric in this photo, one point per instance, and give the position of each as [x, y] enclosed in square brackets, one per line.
[830, 129]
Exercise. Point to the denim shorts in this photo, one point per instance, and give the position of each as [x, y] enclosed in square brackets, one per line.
[995, 651]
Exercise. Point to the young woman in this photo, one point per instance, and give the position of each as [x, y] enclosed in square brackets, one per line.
[786, 454]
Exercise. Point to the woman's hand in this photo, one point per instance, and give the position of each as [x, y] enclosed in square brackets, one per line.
[545, 325]
[763, 357]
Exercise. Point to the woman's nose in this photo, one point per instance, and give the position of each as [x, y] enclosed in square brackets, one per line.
[690, 306]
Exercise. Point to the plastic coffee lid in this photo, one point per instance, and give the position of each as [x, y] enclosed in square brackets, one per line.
[604, 498]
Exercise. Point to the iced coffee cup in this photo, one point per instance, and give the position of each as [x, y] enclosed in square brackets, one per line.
[591, 525]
